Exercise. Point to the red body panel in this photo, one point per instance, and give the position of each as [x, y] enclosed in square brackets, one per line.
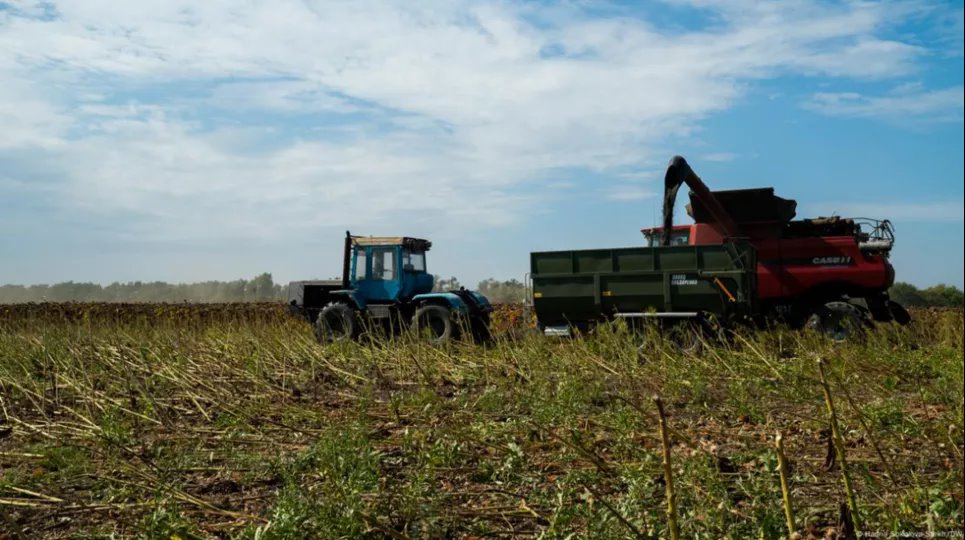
[792, 267]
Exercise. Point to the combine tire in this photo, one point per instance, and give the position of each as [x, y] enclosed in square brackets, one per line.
[839, 321]
[336, 322]
[898, 313]
[435, 321]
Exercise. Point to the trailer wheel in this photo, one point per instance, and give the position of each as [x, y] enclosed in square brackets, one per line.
[690, 336]
[837, 320]
[436, 321]
[686, 338]
[336, 322]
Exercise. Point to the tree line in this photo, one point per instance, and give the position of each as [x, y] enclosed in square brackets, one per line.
[262, 288]
[942, 295]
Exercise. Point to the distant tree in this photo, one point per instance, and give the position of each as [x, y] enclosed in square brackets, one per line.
[906, 294]
[261, 288]
[440, 284]
[943, 295]
[938, 295]
[503, 292]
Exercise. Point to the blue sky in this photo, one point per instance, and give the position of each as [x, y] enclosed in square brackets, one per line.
[184, 141]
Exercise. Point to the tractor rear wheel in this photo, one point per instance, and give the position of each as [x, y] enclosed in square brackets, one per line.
[435, 321]
[336, 322]
[839, 321]
[480, 327]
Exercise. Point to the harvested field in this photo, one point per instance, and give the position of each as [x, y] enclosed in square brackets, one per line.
[229, 421]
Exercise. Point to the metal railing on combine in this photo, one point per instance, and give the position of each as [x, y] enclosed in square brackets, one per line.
[875, 235]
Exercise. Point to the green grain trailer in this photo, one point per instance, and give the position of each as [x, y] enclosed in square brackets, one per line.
[577, 289]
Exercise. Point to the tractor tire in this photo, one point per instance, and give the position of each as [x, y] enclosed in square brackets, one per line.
[336, 322]
[481, 331]
[437, 321]
[839, 321]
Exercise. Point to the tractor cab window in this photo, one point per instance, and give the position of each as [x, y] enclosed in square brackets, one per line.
[414, 261]
[383, 264]
[360, 265]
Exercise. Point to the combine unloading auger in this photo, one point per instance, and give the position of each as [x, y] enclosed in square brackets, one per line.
[679, 172]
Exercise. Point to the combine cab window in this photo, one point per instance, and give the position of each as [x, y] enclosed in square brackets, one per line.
[414, 261]
[681, 238]
[383, 264]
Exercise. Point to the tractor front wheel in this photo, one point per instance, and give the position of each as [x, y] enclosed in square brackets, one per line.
[436, 322]
[336, 322]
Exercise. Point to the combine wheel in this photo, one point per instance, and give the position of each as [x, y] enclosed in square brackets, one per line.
[898, 313]
[436, 321]
[336, 322]
[837, 320]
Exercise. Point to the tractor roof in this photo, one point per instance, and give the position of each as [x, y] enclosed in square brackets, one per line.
[415, 244]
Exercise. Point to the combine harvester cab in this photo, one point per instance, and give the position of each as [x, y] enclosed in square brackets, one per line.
[385, 287]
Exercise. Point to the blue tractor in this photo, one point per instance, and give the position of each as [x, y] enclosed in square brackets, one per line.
[385, 288]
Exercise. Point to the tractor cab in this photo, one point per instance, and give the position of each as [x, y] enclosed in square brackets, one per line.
[385, 287]
[387, 269]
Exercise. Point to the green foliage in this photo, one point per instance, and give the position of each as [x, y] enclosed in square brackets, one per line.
[941, 295]
[166, 523]
[500, 292]
[505, 292]
[441, 284]
[261, 288]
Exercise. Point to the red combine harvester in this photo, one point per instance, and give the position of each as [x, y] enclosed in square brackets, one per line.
[827, 273]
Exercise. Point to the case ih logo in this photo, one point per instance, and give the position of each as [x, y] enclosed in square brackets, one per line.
[833, 261]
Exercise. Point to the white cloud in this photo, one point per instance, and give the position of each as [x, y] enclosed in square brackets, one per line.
[719, 156]
[907, 104]
[191, 114]
[29, 115]
[292, 96]
[628, 193]
[864, 59]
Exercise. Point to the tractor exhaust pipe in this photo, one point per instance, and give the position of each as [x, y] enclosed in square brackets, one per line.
[347, 261]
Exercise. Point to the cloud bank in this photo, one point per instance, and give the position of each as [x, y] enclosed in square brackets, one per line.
[208, 120]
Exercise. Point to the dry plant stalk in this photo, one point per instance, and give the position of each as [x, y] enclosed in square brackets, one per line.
[668, 472]
[839, 448]
[785, 489]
